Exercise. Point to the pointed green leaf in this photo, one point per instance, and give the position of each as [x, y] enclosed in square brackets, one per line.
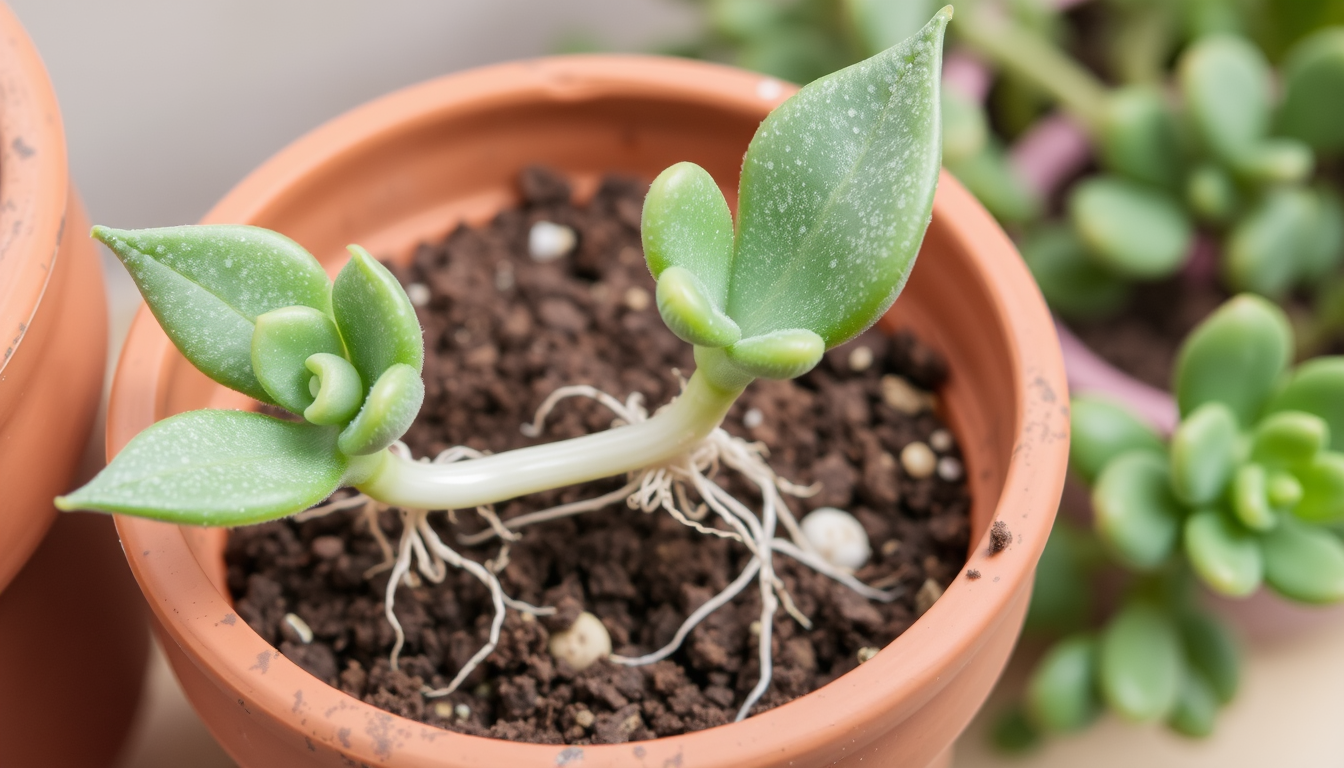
[1287, 438]
[996, 184]
[1133, 229]
[1322, 489]
[1211, 650]
[1135, 512]
[1234, 357]
[1303, 562]
[1224, 82]
[1313, 79]
[686, 224]
[1142, 663]
[1317, 387]
[779, 355]
[392, 404]
[1203, 454]
[336, 389]
[1102, 430]
[1139, 138]
[1062, 693]
[836, 191]
[689, 313]
[1250, 498]
[1225, 555]
[1196, 708]
[217, 468]
[375, 317]
[1072, 283]
[282, 340]
[206, 285]
[1269, 250]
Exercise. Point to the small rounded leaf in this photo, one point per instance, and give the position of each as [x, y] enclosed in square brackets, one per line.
[1224, 554]
[689, 313]
[1313, 79]
[1102, 430]
[1133, 229]
[1142, 663]
[778, 355]
[1139, 137]
[1288, 438]
[1276, 161]
[1211, 650]
[1234, 357]
[1062, 693]
[388, 411]
[1270, 248]
[1250, 498]
[1317, 387]
[686, 224]
[994, 181]
[282, 341]
[1203, 453]
[1072, 283]
[337, 390]
[1322, 484]
[1224, 81]
[376, 318]
[1136, 514]
[1196, 709]
[965, 129]
[1211, 193]
[1303, 562]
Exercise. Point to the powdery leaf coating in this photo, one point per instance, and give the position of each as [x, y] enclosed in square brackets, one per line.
[376, 318]
[206, 285]
[218, 468]
[837, 189]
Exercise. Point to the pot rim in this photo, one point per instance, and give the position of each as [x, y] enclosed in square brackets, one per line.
[191, 610]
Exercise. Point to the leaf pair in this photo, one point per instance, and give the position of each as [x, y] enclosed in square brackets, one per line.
[836, 190]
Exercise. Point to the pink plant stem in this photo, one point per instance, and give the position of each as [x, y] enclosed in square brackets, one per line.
[1050, 153]
[1201, 266]
[967, 75]
[1088, 373]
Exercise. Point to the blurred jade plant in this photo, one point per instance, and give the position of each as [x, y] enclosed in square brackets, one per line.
[1248, 491]
[836, 192]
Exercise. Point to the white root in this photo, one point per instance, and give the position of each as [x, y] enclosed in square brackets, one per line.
[649, 490]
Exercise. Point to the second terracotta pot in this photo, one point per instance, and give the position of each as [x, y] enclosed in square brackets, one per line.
[409, 167]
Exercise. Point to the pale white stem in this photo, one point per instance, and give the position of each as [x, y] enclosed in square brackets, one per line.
[698, 615]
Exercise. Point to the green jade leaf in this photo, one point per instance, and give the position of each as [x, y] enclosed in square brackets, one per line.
[689, 313]
[1321, 489]
[392, 404]
[1304, 563]
[1072, 283]
[1235, 356]
[1062, 695]
[207, 285]
[1101, 430]
[686, 224]
[282, 340]
[1212, 651]
[1289, 438]
[1139, 137]
[1211, 193]
[336, 389]
[1250, 498]
[1277, 161]
[990, 176]
[1273, 246]
[1142, 663]
[1204, 454]
[1313, 79]
[1316, 387]
[218, 468]
[1225, 555]
[375, 317]
[965, 127]
[1224, 82]
[1136, 514]
[1196, 709]
[1132, 229]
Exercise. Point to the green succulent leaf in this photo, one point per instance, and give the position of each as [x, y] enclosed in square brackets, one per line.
[996, 184]
[336, 389]
[965, 127]
[1211, 193]
[1283, 490]
[282, 340]
[1136, 514]
[375, 317]
[1276, 161]
[1062, 693]
[1102, 430]
[1303, 562]
[882, 24]
[1225, 555]
[392, 404]
[1196, 708]
[778, 355]
[1133, 229]
[1072, 283]
[1322, 484]
[1288, 438]
[689, 313]
[1250, 498]
[1142, 663]
[1212, 651]
[1274, 245]
[1224, 82]
[1234, 357]
[207, 284]
[1323, 242]
[1313, 78]
[1061, 596]
[837, 187]
[686, 224]
[219, 468]
[1316, 387]
[1204, 453]
[1139, 137]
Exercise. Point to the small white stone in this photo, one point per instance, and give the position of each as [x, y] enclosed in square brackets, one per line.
[443, 709]
[753, 418]
[890, 547]
[637, 299]
[754, 628]
[583, 643]
[940, 440]
[867, 652]
[949, 469]
[860, 359]
[463, 712]
[904, 396]
[769, 90]
[300, 627]
[418, 293]
[918, 460]
[584, 718]
[838, 537]
[548, 241]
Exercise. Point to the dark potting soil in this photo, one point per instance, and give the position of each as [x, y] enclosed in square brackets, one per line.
[501, 333]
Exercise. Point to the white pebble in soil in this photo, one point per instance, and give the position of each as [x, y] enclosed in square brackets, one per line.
[861, 359]
[940, 440]
[918, 460]
[753, 418]
[583, 643]
[299, 627]
[548, 241]
[949, 469]
[637, 299]
[838, 537]
[418, 293]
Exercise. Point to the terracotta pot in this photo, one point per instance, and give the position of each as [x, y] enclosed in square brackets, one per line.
[407, 168]
[72, 631]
